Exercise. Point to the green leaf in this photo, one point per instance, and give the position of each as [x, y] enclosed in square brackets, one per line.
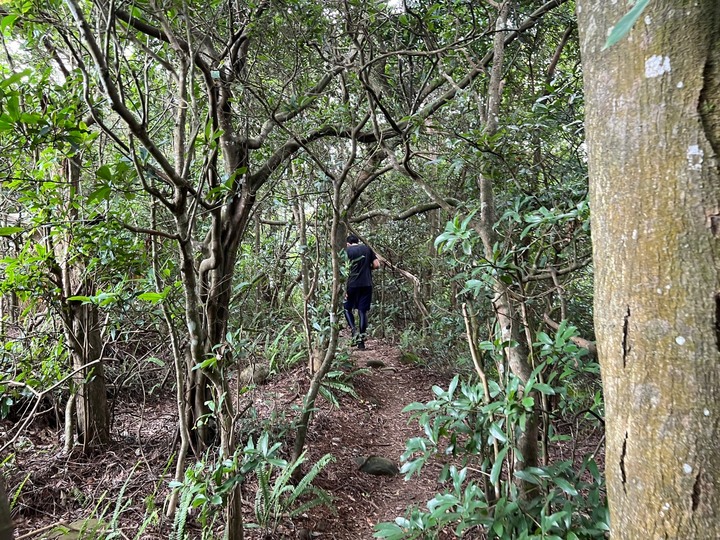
[100, 194]
[527, 477]
[544, 338]
[497, 466]
[151, 296]
[544, 388]
[497, 432]
[9, 231]
[105, 173]
[626, 23]
[388, 530]
[15, 77]
[13, 108]
[566, 486]
[8, 21]
[83, 299]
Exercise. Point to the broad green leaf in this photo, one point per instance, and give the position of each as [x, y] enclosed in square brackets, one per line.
[9, 231]
[497, 466]
[100, 194]
[83, 299]
[15, 77]
[544, 388]
[497, 432]
[105, 173]
[8, 21]
[151, 296]
[566, 486]
[626, 23]
[13, 108]
[527, 477]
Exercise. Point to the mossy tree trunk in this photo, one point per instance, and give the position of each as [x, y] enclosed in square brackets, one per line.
[652, 133]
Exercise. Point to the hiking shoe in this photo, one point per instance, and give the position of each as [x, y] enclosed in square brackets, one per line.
[361, 345]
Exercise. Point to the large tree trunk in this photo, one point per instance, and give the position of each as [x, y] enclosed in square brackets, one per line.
[652, 132]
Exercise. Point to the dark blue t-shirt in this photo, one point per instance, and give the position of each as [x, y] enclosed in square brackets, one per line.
[361, 258]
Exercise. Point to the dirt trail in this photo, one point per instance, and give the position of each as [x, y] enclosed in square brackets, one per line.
[56, 486]
[375, 425]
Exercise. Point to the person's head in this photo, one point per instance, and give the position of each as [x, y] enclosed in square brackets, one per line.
[352, 239]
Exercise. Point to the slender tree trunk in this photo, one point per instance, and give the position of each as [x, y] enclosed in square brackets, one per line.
[653, 132]
[508, 319]
[91, 407]
[82, 331]
[6, 525]
[337, 233]
[298, 210]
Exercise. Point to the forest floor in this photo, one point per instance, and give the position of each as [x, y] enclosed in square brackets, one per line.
[49, 487]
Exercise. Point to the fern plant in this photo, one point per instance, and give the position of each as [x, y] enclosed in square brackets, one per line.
[278, 499]
[339, 381]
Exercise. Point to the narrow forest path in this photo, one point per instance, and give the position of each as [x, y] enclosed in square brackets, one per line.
[51, 488]
[374, 425]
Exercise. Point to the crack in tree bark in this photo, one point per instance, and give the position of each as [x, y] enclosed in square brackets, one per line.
[626, 348]
[622, 463]
[717, 321]
[707, 104]
[697, 491]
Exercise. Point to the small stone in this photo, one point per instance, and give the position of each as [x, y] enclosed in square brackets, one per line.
[376, 465]
[256, 374]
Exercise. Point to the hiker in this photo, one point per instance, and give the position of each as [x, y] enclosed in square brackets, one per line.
[359, 286]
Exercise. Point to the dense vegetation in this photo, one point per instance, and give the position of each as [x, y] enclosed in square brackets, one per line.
[178, 179]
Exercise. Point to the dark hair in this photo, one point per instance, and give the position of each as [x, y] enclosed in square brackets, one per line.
[352, 239]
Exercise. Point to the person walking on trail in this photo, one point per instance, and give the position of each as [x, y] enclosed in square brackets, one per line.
[359, 287]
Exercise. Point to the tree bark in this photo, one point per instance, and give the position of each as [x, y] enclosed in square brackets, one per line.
[6, 525]
[91, 407]
[82, 331]
[652, 135]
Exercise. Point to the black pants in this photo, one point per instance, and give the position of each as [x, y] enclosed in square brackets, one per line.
[358, 298]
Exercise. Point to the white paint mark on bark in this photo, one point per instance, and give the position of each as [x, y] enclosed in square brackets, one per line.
[680, 340]
[648, 20]
[657, 65]
[695, 157]
[659, 291]
[635, 234]
[687, 469]
[680, 84]
[706, 412]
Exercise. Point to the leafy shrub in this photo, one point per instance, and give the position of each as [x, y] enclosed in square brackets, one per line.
[478, 436]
